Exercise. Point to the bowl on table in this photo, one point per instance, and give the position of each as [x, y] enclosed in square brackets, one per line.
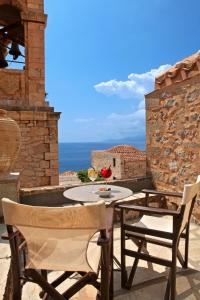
[104, 192]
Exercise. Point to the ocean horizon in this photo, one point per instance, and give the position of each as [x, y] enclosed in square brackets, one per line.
[77, 156]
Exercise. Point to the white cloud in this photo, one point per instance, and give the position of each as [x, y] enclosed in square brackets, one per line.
[149, 75]
[135, 87]
[123, 89]
[116, 125]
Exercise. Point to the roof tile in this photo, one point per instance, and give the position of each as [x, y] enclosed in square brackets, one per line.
[186, 68]
[128, 152]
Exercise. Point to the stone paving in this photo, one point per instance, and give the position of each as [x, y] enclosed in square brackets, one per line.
[188, 281]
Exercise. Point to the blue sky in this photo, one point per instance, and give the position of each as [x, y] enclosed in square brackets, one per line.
[102, 57]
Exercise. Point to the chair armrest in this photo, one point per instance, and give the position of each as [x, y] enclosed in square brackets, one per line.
[5, 236]
[173, 194]
[150, 210]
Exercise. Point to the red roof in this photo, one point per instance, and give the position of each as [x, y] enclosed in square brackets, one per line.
[182, 70]
[128, 152]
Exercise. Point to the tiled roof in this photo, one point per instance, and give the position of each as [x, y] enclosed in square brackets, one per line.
[128, 152]
[182, 70]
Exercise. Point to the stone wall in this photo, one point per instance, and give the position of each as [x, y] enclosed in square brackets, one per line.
[22, 94]
[173, 135]
[53, 195]
[38, 158]
[12, 87]
[133, 168]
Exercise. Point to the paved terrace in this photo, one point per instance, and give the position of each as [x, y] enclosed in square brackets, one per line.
[188, 281]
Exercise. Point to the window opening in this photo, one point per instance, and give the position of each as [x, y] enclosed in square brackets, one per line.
[114, 162]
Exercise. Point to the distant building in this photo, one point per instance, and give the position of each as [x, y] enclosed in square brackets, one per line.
[125, 161]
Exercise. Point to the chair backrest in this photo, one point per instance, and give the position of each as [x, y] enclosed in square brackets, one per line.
[190, 193]
[57, 238]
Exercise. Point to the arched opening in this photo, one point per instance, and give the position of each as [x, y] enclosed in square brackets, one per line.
[11, 38]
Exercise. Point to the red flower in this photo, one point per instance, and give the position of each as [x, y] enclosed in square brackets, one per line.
[106, 172]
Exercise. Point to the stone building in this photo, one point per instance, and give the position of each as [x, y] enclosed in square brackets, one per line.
[125, 161]
[22, 91]
[173, 126]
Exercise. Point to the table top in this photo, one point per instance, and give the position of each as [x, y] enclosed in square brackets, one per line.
[89, 193]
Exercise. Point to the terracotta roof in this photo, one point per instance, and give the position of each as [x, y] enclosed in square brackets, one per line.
[182, 70]
[128, 152]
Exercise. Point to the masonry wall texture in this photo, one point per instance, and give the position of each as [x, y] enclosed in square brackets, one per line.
[173, 130]
[22, 93]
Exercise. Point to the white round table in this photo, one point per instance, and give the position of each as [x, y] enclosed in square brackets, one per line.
[89, 193]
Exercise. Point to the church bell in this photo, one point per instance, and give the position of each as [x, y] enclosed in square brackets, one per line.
[14, 50]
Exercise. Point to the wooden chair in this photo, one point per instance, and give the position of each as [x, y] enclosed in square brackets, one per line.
[160, 227]
[68, 239]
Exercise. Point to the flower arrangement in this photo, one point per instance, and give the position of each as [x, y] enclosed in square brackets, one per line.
[106, 172]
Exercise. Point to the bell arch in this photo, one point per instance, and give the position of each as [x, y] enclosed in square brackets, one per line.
[11, 36]
[19, 4]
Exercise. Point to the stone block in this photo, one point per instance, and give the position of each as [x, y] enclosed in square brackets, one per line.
[27, 115]
[54, 164]
[54, 180]
[51, 156]
[44, 164]
[28, 173]
[152, 103]
[192, 95]
[44, 181]
[53, 147]
[51, 172]
[170, 103]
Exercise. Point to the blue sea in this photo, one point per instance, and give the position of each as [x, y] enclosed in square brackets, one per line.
[77, 156]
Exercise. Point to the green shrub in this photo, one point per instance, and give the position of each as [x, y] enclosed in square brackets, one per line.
[83, 176]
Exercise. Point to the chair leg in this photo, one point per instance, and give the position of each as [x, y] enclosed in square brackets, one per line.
[37, 278]
[16, 284]
[123, 268]
[15, 266]
[167, 292]
[111, 286]
[106, 272]
[134, 267]
[173, 273]
[186, 246]
[44, 274]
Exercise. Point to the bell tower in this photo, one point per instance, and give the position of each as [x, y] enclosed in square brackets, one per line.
[22, 90]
